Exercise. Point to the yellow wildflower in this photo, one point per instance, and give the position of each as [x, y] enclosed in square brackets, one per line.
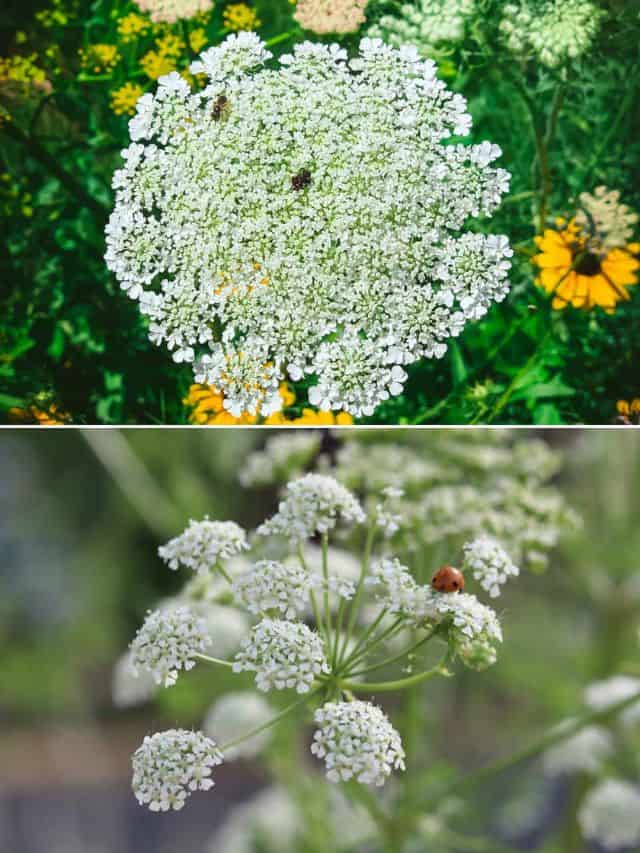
[99, 58]
[582, 273]
[21, 69]
[208, 409]
[628, 412]
[170, 45]
[124, 99]
[132, 26]
[55, 15]
[156, 64]
[197, 39]
[239, 16]
[51, 415]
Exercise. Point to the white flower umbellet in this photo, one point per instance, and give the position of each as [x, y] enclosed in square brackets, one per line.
[232, 716]
[203, 544]
[394, 586]
[357, 741]
[489, 564]
[313, 504]
[610, 814]
[170, 11]
[168, 642]
[314, 224]
[170, 766]
[583, 752]
[272, 586]
[283, 655]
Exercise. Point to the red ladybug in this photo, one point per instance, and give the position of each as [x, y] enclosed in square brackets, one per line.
[448, 579]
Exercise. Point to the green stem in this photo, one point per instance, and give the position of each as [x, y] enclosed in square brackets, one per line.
[355, 603]
[399, 684]
[356, 657]
[539, 746]
[217, 661]
[303, 700]
[399, 656]
[325, 575]
[513, 385]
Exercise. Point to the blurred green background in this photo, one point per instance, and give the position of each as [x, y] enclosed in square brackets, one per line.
[81, 517]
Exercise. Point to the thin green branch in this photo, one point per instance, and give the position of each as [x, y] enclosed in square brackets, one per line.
[539, 746]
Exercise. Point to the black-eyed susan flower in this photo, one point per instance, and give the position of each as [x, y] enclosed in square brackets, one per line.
[580, 271]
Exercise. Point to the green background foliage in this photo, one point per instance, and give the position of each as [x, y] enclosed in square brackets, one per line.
[68, 336]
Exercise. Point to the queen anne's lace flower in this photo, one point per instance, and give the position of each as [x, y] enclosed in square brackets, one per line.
[604, 216]
[474, 628]
[356, 740]
[306, 219]
[170, 11]
[610, 814]
[203, 544]
[283, 655]
[312, 504]
[235, 714]
[396, 588]
[602, 694]
[330, 16]
[425, 24]
[271, 586]
[167, 642]
[584, 752]
[489, 563]
[556, 30]
[170, 765]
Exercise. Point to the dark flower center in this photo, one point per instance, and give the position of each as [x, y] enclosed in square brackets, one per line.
[301, 180]
[587, 263]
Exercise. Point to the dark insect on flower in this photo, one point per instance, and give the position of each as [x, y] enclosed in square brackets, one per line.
[448, 579]
[301, 180]
[220, 107]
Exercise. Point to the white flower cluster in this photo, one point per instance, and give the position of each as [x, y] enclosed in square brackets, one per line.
[330, 16]
[129, 687]
[232, 716]
[425, 24]
[203, 544]
[170, 765]
[474, 630]
[271, 822]
[284, 456]
[272, 586]
[583, 752]
[167, 642]
[602, 214]
[489, 564]
[557, 31]
[602, 694]
[170, 11]
[610, 814]
[312, 504]
[306, 220]
[283, 655]
[395, 586]
[357, 741]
